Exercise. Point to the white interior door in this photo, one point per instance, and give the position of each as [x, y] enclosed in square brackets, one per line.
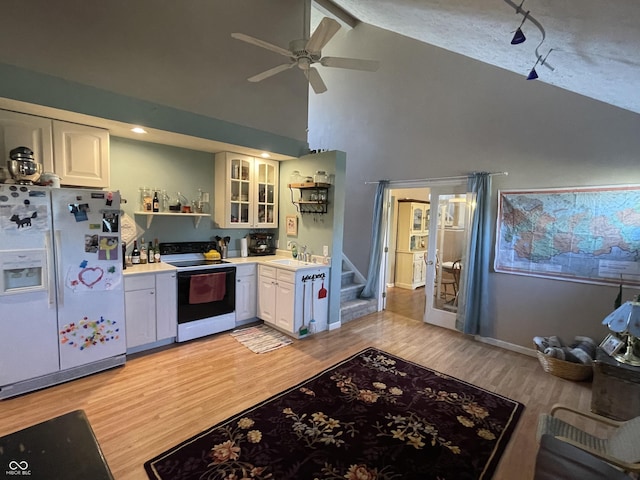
[446, 255]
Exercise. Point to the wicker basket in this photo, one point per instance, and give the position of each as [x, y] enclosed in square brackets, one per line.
[564, 369]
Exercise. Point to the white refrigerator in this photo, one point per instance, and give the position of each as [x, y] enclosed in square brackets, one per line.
[61, 287]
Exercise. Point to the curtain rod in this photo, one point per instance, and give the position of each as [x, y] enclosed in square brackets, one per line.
[437, 179]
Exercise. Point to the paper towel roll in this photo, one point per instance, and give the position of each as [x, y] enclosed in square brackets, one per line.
[244, 249]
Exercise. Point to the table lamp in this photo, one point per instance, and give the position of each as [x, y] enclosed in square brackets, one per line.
[626, 320]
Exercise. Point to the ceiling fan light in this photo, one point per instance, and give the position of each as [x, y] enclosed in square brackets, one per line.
[518, 38]
[532, 74]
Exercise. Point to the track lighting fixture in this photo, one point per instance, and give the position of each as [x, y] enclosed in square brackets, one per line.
[533, 74]
[519, 35]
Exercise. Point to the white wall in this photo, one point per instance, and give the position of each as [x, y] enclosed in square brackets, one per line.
[430, 113]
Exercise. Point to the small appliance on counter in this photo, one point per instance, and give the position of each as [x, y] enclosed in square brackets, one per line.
[22, 167]
[261, 244]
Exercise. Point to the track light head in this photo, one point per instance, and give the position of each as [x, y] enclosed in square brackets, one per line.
[518, 37]
[532, 74]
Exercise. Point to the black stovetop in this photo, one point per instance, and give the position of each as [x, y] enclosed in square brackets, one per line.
[182, 248]
[196, 263]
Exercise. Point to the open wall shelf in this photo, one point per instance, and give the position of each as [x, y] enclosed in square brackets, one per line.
[312, 198]
[196, 216]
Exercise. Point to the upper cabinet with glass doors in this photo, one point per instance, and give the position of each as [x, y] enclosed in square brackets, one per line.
[413, 225]
[246, 191]
[420, 218]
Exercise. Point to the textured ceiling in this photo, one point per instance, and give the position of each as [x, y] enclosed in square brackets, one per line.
[596, 44]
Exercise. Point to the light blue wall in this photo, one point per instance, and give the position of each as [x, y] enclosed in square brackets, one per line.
[314, 230]
[318, 230]
[136, 164]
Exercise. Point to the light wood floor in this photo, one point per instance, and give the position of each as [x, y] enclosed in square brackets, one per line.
[157, 400]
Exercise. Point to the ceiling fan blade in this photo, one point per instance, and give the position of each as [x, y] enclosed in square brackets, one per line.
[271, 72]
[261, 43]
[351, 63]
[327, 28]
[315, 80]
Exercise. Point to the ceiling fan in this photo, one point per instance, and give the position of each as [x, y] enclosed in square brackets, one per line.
[304, 53]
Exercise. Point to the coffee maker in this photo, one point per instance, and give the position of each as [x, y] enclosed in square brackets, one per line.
[261, 244]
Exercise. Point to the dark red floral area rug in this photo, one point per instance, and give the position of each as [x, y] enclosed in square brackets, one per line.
[372, 416]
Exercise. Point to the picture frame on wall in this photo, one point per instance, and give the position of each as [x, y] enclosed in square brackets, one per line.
[611, 344]
[292, 225]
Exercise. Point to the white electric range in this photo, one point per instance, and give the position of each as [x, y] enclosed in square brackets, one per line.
[206, 290]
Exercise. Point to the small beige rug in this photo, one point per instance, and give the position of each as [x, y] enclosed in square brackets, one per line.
[261, 338]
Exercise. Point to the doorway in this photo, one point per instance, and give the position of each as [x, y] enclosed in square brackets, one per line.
[427, 237]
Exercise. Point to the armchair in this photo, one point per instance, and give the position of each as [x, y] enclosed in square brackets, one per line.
[621, 448]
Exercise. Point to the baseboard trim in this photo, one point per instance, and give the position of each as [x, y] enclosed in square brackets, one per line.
[334, 325]
[506, 345]
[61, 376]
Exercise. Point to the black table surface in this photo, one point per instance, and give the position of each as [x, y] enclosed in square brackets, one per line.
[63, 448]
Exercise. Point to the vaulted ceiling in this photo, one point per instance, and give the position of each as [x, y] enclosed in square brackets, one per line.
[595, 45]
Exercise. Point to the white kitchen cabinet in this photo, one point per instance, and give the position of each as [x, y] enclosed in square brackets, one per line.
[167, 305]
[81, 155]
[78, 154]
[150, 309]
[140, 309]
[285, 298]
[267, 285]
[22, 130]
[246, 191]
[246, 290]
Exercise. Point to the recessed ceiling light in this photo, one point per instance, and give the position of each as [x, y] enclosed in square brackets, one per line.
[138, 130]
[265, 155]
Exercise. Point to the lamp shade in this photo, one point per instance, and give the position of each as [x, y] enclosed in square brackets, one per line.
[625, 318]
[518, 37]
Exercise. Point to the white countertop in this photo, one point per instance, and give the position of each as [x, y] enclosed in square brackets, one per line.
[148, 268]
[165, 267]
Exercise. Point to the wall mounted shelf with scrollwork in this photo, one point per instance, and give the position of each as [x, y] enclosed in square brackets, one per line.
[313, 197]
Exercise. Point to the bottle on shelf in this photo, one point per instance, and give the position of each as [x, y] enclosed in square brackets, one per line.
[124, 255]
[135, 254]
[146, 203]
[151, 257]
[156, 251]
[156, 202]
[164, 201]
[143, 252]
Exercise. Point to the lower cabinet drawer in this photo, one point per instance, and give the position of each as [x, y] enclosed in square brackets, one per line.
[267, 271]
[286, 276]
[139, 282]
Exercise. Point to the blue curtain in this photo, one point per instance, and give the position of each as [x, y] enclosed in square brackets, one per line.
[370, 289]
[476, 295]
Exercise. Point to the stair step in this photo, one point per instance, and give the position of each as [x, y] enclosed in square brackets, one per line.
[347, 277]
[357, 308]
[350, 292]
